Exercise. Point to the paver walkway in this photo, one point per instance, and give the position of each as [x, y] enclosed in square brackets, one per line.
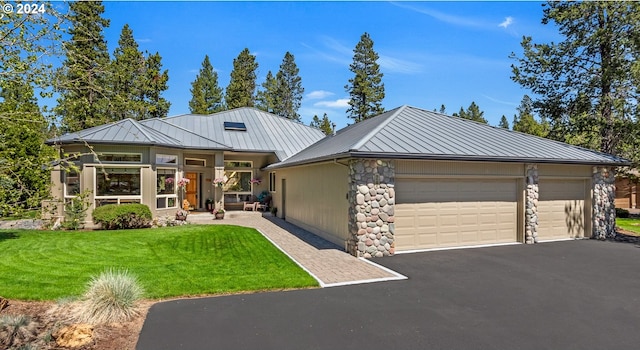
[325, 261]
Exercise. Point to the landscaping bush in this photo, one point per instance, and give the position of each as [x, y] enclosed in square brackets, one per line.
[16, 329]
[622, 213]
[123, 216]
[110, 297]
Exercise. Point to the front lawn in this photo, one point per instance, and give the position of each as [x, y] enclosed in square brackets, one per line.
[630, 224]
[172, 261]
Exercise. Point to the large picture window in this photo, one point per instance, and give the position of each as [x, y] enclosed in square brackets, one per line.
[117, 181]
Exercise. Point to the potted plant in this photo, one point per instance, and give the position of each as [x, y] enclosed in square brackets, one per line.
[209, 204]
[181, 214]
[219, 214]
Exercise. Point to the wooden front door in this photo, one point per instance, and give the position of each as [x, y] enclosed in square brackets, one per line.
[192, 190]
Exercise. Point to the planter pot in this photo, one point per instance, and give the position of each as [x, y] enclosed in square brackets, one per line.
[219, 216]
[181, 217]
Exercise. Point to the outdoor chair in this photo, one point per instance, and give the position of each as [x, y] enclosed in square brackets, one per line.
[249, 206]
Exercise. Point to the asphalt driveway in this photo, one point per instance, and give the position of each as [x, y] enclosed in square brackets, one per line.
[561, 295]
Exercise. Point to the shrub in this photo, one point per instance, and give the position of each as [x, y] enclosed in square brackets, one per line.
[75, 211]
[622, 213]
[17, 328]
[110, 297]
[123, 216]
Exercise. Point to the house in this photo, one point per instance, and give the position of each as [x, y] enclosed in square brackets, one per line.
[408, 179]
[627, 190]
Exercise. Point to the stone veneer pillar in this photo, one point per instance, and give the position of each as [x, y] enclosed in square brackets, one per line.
[531, 205]
[372, 206]
[604, 210]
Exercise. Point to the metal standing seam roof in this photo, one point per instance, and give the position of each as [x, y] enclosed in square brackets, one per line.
[265, 133]
[412, 133]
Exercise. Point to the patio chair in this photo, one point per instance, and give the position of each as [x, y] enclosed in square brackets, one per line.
[249, 206]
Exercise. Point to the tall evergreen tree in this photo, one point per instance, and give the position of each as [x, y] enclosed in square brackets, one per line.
[472, 113]
[585, 82]
[525, 121]
[241, 91]
[290, 88]
[267, 97]
[323, 124]
[504, 123]
[82, 81]
[366, 89]
[154, 83]
[127, 76]
[206, 95]
[443, 109]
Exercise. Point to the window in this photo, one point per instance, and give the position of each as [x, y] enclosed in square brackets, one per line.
[272, 181]
[239, 181]
[235, 126]
[71, 184]
[195, 162]
[120, 157]
[237, 164]
[166, 188]
[166, 159]
[117, 181]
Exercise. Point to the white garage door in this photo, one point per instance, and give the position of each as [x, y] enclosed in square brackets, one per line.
[561, 209]
[446, 213]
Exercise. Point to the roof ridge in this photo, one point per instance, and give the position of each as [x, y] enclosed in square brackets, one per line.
[139, 126]
[380, 126]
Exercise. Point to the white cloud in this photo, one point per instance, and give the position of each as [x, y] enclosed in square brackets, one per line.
[390, 64]
[507, 22]
[444, 17]
[339, 103]
[319, 94]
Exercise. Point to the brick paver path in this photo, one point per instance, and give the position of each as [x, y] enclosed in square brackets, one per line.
[327, 262]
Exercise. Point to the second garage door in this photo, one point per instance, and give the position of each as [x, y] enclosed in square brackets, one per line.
[561, 213]
[447, 213]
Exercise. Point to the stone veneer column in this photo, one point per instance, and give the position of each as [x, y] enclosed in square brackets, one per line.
[531, 205]
[604, 210]
[371, 210]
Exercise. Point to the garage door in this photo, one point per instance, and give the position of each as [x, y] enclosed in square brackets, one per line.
[448, 213]
[561, 209]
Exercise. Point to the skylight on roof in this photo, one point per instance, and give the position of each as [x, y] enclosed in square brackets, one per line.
[235, 126]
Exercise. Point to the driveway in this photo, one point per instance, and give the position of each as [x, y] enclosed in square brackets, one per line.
[561, 295]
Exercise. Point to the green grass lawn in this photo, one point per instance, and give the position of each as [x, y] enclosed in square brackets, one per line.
[630, 224]
[172, 261]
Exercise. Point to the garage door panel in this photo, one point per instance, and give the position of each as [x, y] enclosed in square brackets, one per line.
[561, 212]
[457, 212]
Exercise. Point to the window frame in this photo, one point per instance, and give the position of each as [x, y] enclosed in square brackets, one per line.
[204, 162]
[272, 181]
[177, 159]
[240, 196]
[136, 198]
[65, 184]
[167, 196]
[98, 154]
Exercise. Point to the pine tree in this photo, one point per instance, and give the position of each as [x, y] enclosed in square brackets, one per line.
[127, 75]
[587, 81]
[366, 89]
[206, 95]
[525, 121]
[241, 91]
[472, 113]
[323, 124]
[154, 83]
[443, 109]
[266, 99]
[504, 123]
[82, 81]
[289, 89]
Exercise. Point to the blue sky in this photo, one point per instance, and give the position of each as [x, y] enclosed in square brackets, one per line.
[431, 53]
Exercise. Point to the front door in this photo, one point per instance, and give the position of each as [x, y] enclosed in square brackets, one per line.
[192, 190]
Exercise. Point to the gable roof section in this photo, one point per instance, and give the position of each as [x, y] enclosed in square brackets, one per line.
[126, 131]
[412, 133]
[265, 132]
